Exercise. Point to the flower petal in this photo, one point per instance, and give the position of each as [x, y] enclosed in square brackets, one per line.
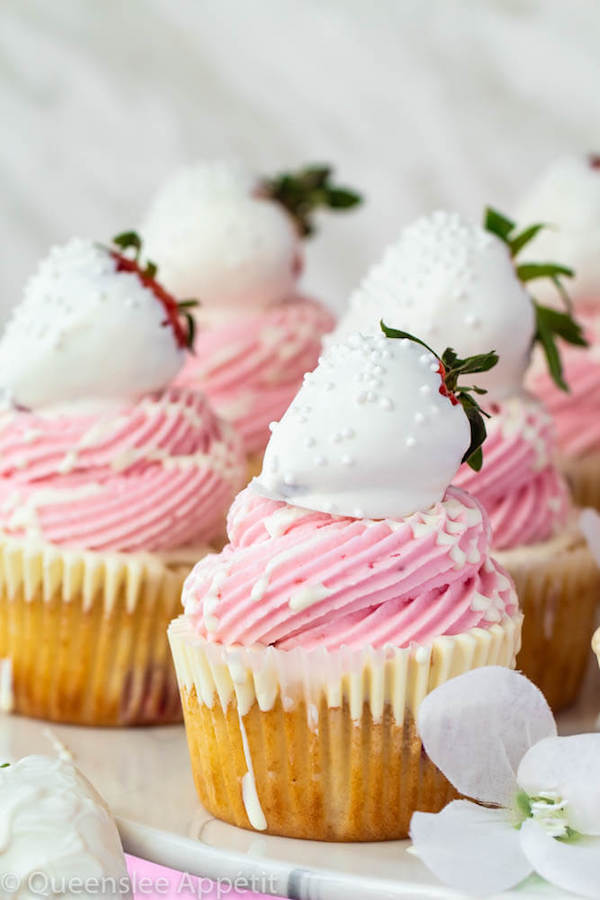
[470, 847]
[477, 727]
[571, 865]
[569, 766]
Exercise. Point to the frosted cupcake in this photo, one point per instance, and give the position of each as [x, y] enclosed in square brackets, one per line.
[234, 240]
[450, 280]
[111, 484]
[355, 581]
[567, 196]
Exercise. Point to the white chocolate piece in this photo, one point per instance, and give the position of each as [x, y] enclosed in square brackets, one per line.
[215, 239]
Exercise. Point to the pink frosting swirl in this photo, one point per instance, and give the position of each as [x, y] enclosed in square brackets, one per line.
[251, 366]
[525, 497]
[292, 577]
[576, 414]
[154, 475]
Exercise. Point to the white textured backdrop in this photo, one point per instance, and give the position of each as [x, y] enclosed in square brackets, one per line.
[421, 103]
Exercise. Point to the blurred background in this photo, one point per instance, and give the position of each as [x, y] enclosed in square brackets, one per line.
[419, 103]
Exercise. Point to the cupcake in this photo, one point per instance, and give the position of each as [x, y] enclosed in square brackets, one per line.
[453, 281]
[111, 484]
[356, 580]
[567, 196]
[233, 240]
[58, 836]
[536, 537]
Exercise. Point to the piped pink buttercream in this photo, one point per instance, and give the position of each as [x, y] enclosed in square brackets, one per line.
[576, 414]
[525, 496]
[251, 366]
[154, 475]
[291, 577]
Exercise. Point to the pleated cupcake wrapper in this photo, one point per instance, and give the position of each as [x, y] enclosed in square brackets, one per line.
[583, 476]
[596, 644]
[83, 634]
[317, 744]
[559, 594]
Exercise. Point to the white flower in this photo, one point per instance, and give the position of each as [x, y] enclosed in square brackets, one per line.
[493, 736]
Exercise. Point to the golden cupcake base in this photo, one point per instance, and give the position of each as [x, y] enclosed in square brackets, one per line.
[558, 583]
[345, 781]
[83, 635]
[320, 745]
[583, 476]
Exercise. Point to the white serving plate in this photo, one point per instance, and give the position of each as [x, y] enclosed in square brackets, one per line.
[145, 777]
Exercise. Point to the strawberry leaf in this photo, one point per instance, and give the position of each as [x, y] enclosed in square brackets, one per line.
[455, 367]
[550, 324]
[530, 271]
[562, 324]
[399, 334]
[475, 460]
[474, 454]
[191, 330]
[342, 198]
[183, 308]
[498, 224]
[564, 295]
[188, 304]
[309, 189]
[545, 337]
[452, 367]
[151, 269]
[127, 240]
[517, 243]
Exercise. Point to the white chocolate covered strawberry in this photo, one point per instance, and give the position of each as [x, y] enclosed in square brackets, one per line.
[566, 196]
[233, 239]
[375, 408]
[57, 833]
[93, 325]
[459, 284]
[453, 284]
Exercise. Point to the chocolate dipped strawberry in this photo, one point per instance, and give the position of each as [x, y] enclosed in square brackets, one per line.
[95, 324]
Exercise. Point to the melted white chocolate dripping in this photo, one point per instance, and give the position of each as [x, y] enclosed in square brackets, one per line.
[6, 686]
[254, 810]
[398, 678]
